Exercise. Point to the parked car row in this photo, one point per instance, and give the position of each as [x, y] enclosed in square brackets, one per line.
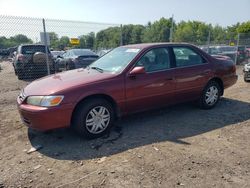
[4, 53]
[240, 53]
[30, 60]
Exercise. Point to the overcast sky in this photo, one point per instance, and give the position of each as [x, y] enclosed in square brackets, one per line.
[222, 12]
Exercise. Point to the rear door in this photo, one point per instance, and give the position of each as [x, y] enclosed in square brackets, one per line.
[192, 73]
[154, 88]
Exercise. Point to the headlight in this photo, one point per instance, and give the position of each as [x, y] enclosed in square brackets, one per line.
[45, 101]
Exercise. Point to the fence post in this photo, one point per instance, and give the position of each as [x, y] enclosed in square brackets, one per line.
[208, 40]
[46, 47]
[236, 56]
[171, 29]
[121, 37]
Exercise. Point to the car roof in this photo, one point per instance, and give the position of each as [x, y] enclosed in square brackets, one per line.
[32, 45]
[148, 45]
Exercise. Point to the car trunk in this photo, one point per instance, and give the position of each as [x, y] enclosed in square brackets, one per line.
[84, 61]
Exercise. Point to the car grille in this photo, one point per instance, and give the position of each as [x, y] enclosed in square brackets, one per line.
[21, 96]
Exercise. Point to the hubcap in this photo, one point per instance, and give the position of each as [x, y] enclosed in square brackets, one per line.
[97, 119]
[212, 95]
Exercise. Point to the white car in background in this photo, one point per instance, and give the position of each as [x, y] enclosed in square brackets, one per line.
[246, 71]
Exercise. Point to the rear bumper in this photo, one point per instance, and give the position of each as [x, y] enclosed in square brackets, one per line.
[42, 118]
[230, 81]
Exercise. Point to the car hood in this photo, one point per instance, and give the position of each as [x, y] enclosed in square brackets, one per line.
[57, 83]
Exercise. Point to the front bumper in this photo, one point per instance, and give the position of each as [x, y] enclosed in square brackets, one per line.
[43, 118]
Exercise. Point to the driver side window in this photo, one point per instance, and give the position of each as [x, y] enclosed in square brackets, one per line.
[155, 60]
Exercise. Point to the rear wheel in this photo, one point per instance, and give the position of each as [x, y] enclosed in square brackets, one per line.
[210, 95]
[93, 118]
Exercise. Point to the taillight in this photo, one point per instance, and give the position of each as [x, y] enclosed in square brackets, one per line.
[234, 69]
[20, 57]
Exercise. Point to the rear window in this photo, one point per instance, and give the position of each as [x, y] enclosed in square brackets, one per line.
[32, 49]
[81, 52]
[227, 49]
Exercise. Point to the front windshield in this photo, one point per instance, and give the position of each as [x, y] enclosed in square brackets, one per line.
[116, 60]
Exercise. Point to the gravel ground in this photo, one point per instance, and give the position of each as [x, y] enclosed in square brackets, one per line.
[179, 146]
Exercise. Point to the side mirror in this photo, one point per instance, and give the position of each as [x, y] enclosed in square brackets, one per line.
[59, 56]
[137, 70]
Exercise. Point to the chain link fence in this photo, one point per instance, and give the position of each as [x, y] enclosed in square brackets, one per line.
[236, 47]
[39, 47]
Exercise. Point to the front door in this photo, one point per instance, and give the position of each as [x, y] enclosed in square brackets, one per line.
[154, 88]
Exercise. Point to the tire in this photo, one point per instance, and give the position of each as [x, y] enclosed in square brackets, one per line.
[210, 95]
[67, 67]
[93, 118]
[20, 75]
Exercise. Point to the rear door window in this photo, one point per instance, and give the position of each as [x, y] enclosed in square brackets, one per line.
[185, 56]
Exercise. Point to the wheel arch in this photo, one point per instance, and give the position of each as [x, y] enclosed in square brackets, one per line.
[98, 96]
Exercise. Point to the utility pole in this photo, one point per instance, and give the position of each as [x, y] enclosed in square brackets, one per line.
[171, 29]
[121, 37]
[236, 55]
[46, 47]
[208, 39]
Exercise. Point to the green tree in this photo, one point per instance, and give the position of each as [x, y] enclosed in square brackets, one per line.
[20, 39]
[14, 41]
[90, 40]
[159, 31]
[54, 40]
[192, 31]
[108, 38]
[64, 43]
[244, 27]
[218, 34]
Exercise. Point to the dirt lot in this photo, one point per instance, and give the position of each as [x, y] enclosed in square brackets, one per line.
[180, 146]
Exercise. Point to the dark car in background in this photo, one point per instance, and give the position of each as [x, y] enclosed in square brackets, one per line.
[30, 61]
[230, 51]
[75, 58]
[103, 52]
[215, 52]
[241, 54]
[211, 50]
[56, 54]
[129, 79]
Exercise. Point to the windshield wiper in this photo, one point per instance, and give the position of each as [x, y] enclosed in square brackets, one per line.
[98, 69]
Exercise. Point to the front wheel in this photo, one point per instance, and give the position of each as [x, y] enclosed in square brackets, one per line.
[210, 95]
[93, 118]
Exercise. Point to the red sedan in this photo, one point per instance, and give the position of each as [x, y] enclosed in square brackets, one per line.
[128, 79]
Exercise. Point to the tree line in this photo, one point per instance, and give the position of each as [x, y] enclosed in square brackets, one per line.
[195, 32]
